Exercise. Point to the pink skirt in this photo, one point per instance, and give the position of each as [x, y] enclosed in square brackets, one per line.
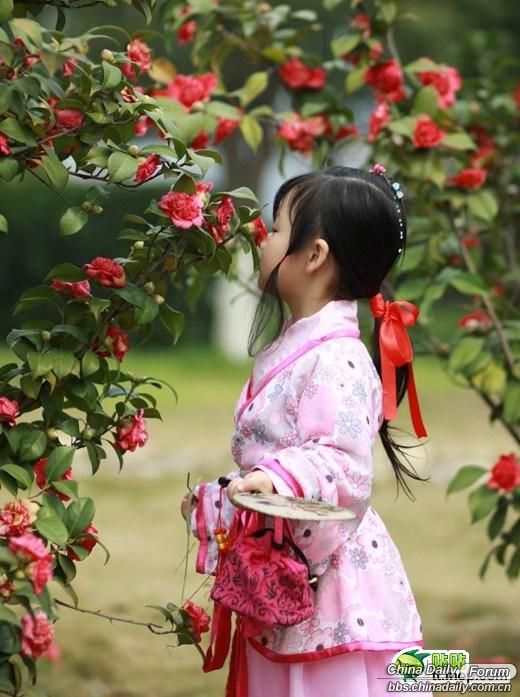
[353, 674]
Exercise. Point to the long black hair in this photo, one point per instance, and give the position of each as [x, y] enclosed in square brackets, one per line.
[358, 215]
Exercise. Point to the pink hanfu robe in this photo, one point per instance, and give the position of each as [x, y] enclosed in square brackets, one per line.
[310, 423]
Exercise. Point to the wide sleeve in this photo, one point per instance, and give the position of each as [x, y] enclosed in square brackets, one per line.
[336, 420]
[204, 520]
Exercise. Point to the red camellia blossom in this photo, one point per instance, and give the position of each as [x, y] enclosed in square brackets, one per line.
[471, 178]
[17, 516]
[143, 124]
[376, 51]
[225, 212]
[186, 33]
[426, 133]
[298, 76]
[348, 130]
[69, 67]
[378, 119]
[475, 320]
[9, 410]
[259, 231]
[447, 82]
[470, 241]
[37, 634]
[362, 23]
[184, 210]
[4, 145]
[68, 118]
[148, 168]
[133, 433]
[516, 97]
[76, 289]
[119, 343]
[386, 79]
[199, 619]
[300, 133]
[505, 473]
[106, 272]
[139, 53]
[40, 573]
[189, 89]
[87, 543]
[39, 473]
[225, 127]
[200, 141]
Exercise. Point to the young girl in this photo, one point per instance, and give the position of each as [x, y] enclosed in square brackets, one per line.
[306, 423]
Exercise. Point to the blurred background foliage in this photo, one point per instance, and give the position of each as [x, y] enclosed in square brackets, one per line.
[475, 35]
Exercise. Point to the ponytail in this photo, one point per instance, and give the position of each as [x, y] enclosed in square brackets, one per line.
[390, 445]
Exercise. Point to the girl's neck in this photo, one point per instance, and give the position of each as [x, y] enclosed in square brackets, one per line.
[305, 307]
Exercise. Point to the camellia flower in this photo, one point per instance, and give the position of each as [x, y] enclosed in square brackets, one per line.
[505, 473]
[298, 76]
[118, 341]
[189, 89]
[446, 80]
[200, 141]
[198, 618]
[475, 320]
[259, 230]
[106, 272]
[16, 517]
[186, 33]
[87, 543]
[361, 23]
[378, 119]
[143, 124]
[68, 118]
[426, 133]
[386, 79]
[470, 178]
[225, 127]
[133, 433]
[40, 573]
[28, 547]
[39, 473]
[9, 410]
[470, 241]
[139, 53]
[148, 168]
[37, 634]
[184, 210]
[76, 289]
[69, 66]
[300, 133]
[4, 145]
[348, 130]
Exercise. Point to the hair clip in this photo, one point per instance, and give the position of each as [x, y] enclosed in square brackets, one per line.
[378, 169]
[397, 193]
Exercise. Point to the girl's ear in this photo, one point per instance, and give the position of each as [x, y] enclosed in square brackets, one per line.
[319, 251]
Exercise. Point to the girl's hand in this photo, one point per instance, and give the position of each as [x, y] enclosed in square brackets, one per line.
[254, 481]
[185, 504]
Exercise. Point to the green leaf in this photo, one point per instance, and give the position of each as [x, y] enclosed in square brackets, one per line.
[355, 79]
[469, 283]
[40, 363]
[483, 205]
[481, 502]
[89, 364]
[33, 297]
[242, 192]
[458, 141]
[67, 487]
[254, 85]
[497, 520]
[8, 168]
[50, 525]
[62, 362]
[6, 8]
[492, 379]
[112, 76]
[466, 476]
[389, 11]
[404, 126]
[345, 44]
[66, 272]
[421, 65]
[26, 442]
[59, 462]
[513, 568]
[121, 166]
[465, 352]
[55, 170]
[15, 130]
[512, 402]
[3, 220]
[173, 320]
[22, 476]
[426, 101]
[79, 516]
[252, 132]
[7, 615]
[73, 220]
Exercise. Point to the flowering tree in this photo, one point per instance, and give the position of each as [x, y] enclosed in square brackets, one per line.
[66, 114]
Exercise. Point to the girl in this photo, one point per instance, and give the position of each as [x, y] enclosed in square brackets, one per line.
[306, 423]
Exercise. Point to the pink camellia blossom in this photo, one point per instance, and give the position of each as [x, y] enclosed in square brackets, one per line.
[4, 145]
[505, 473]
[16, 517]
[475, 320]
[68, 118]
[106, 272]
[225, 127]
[471, 178]
[53, 653]
[139, 54]
[76, 289]
[300, 133]
[119, 343]
[203, 188]
[189, 89]
[386, 79]
[446, 80]
[299, 76]
[142, 126]
[184, 210]
[40, 573]
[69, 67]
[87, 543]
[426, 133]
[148, 168]
[28, 547]
[39, 474]
[132, 434]
[378, 119]
[9, 410]
[37, 634]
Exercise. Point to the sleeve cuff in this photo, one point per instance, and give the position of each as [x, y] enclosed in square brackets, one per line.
[283, 481]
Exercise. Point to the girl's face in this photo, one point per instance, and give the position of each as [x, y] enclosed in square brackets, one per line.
[274, 248]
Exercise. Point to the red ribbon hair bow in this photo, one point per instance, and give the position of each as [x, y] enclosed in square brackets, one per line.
[396, 350]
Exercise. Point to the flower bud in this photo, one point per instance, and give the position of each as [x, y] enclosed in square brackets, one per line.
[45, 335]
[149, 287]
[88, 433]
[107, 55]
[139, 244]
[96, 210]
[264, 7]
[19, 573]
[198, 105]
[133, 150]
[158, 299]
[86, 206]
[52, 434]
